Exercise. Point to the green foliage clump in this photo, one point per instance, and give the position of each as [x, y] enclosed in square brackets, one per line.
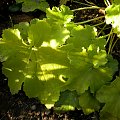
[56, 58]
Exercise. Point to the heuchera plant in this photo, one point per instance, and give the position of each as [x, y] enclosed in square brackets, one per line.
[56, 58]
[109, 94]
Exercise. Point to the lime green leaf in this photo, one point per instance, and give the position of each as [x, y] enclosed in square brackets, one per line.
[110, 95]
[40, 67]
[34, 21]
[90, 67]
[60, 35]
[70, 26]
[12, 49]
[31, 5]
[60, 15]
[37, 32]
[54, 37]
[23, 28]
[99, 59]
[14, 37]
[82, 36]
[33, 58]
[113, 17]
[47, 91]
[89, 103]
[90, 64]
[99, 43]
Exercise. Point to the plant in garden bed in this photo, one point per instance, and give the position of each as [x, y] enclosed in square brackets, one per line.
[109, 94]
[55, 58]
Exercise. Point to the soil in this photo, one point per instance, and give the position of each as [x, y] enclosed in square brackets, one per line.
[21, 107]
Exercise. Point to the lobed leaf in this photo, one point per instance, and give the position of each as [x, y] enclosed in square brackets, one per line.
[82, 36]
[23, 28]
[71, 100]
[36, 68]
[31, 56]
[110, 95]
[90, 66]
[89, 103]
[60, 15]
[113, 17]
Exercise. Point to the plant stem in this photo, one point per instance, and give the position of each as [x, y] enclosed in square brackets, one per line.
[110, 40]
[79, 23]
[98, 24]
[105, 36]
[93, 7]
[102, 29]
[107, 3]
[114, 44]
[91, 3]
[82, 3]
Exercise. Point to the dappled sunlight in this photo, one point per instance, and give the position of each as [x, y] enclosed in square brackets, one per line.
[34, 49]
[100, 59]
[103, 70]
[89, 110]
[16, 33]
[61, 62]
[65, 107]
[9, 69]
[52, 66]
[61, 78]
[90, 48]
[28, 76]
[46, 77]
[53, 43]
[45, 44]
[50, 71]
[49, 106]
[17, 80]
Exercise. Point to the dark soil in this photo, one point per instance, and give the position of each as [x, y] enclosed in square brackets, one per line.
[20, 106]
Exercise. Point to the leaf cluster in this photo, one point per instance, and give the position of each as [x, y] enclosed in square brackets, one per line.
[63, 64]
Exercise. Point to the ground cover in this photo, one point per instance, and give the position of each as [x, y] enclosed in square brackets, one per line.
[19, 106]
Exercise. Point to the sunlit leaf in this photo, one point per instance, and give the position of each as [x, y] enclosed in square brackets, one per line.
[90, 64]
[113, 16]
[60, 15]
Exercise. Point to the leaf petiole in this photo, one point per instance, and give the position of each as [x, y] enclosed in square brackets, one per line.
[84, 22]
[84, 8]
